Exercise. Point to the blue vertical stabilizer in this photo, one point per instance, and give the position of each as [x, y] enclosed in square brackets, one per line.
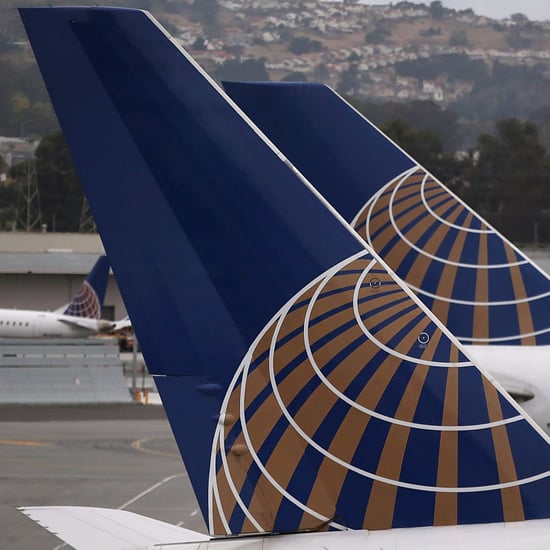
[475, 281]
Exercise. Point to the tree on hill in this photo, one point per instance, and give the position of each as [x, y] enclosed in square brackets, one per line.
[349, 80]
[426, 147]
[419, 115]
[207, 12]
[513, 169]
[61, 195]
[457, 66]
[8, 200]
[377, 36]
[295, 76]
[458, 38]
[437, 10]
[423, 145]
[303, 44]
[510, 181]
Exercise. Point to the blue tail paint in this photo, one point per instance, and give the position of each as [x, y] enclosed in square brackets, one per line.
[88, 301]
[305, 385]
[478, 284]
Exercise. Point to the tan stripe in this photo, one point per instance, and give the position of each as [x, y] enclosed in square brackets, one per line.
[450, 405]
[524, 311]
[512, 504]
[348, 369]
[256, 381]
[310, 523]
[432, 245]
[239, 462]
[492, 401]
[218, 528]
[344, 445]
[382, 203]
[331, 477]
[421, 264]
[395, 256]
[294, 319]
[320, 330]
[295, 346]
[455, 354]
[447, 281]
[290, 449]
[481, 313]
[445, 509]
[238, 465]
[268, 414]
[383, 238]
[260, 425]
[429, 352]
[266, 500]
[264, 504]
[446, 506]
[263, 421]
[381, 505]
[391, 297]
[440, 209]
[392, 257]
[409, 401]
[404, 346]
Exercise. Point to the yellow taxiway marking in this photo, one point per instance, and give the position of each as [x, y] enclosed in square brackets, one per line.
[138, 446]
[20, 443]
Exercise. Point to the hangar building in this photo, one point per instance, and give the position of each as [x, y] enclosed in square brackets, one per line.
[43, 270]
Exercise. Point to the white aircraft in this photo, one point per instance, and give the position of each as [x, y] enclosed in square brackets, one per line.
[78, 319]
[307, 387]
[485, 290]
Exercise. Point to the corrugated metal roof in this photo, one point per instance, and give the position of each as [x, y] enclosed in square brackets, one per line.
[43, 263]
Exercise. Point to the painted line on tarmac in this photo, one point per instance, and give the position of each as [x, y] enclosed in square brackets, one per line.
[138, 446]
[150, 490]
[24, 443]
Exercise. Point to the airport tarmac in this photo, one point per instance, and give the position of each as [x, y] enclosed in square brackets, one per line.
[120, 456]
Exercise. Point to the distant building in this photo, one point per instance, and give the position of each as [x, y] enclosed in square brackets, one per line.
[14, 150]
[44, 270]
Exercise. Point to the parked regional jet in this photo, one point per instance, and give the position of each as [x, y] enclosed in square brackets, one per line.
[489, 294]
[78, 319]
[307, 387]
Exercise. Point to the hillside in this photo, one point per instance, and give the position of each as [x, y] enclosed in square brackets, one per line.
[481, 68]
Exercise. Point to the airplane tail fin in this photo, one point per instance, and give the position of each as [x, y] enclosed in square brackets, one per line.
[476, 282]
[88, 301]
[306, 386]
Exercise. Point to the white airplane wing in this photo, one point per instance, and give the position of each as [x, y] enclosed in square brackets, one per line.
[93, 528]
[90, 324]
[122, 324]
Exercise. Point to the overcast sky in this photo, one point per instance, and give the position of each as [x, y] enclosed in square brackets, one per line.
[536, 10]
